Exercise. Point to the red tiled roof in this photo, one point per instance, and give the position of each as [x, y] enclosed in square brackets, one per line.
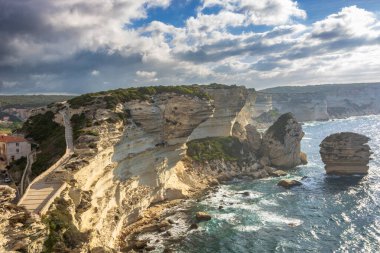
[8, 139]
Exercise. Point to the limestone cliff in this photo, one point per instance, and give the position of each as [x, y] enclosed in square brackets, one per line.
[130, 148]
[133, 148]
[281, 142]
[19, 230]
[321, 102]
[345, 153]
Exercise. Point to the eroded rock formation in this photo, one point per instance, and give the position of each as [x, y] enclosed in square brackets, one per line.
[282, 142]
[132, 151]
[345, 153]
[19, 230]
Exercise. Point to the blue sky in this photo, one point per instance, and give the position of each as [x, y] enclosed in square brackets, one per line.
[179, 11]
[82, 46]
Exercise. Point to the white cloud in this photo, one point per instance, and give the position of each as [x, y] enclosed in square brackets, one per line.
[350, 22]
[207, 48]
[261, 12]
[146, 74]
[95, 72]
[58, 29]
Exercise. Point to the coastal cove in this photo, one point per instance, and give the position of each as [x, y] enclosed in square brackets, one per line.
[325, 214]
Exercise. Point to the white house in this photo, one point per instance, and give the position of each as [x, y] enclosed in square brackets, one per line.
[13, 148]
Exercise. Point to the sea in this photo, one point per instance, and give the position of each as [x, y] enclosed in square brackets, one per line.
[325, 214]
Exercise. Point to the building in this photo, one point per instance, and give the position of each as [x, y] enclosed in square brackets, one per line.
[13, 148]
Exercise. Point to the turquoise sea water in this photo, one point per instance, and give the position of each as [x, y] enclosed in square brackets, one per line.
[325, 214]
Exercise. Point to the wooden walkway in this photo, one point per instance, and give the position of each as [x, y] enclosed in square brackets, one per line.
[42, 191]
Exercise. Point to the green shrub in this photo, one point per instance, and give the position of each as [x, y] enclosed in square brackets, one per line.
[61, 228]
[113, 97]
[216, 148]
[82, 100]
[51, 139]
[16, 169]
[78, 122]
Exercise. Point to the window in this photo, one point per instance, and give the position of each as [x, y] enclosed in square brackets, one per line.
[17, 150]
[17, 144]
[13, 158]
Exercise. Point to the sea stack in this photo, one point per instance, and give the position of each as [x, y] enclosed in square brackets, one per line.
[281, 143]
[345, 153]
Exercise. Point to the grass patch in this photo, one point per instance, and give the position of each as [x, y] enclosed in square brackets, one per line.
[51, 139]
[61, 229]
[216, 148]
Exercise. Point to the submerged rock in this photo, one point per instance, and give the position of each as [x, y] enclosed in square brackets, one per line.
[288, 183]
[345, 153]
[202, 216]
[282, 142]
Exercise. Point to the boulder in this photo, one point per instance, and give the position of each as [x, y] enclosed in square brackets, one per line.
[303, 158]
[278, 173]
[345, 153]
[202, 216]
[288, 183]
[281, 143]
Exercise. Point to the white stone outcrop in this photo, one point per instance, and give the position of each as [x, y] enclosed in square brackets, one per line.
[138, 161]
[345, 153]
[281, 143]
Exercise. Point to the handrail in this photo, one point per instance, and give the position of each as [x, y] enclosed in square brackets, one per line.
[29, 162]
[46, 207]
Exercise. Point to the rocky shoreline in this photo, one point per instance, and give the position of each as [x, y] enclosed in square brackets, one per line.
[165, 223]
[139, 151]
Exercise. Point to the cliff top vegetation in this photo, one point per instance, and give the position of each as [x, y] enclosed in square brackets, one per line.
[113, 97]
[30, 101]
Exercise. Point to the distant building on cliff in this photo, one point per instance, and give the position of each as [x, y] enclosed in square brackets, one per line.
[13, 148]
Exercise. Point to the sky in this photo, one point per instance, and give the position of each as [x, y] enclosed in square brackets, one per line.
[79, 46]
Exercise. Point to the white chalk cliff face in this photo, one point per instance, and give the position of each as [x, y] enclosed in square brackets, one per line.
[138, 162]
[282, 142]
[132, 154]
[137, 158]
[231, 105]
[346, 153]
[310, 103]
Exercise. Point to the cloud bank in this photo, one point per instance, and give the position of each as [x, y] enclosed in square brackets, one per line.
[81, 46]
